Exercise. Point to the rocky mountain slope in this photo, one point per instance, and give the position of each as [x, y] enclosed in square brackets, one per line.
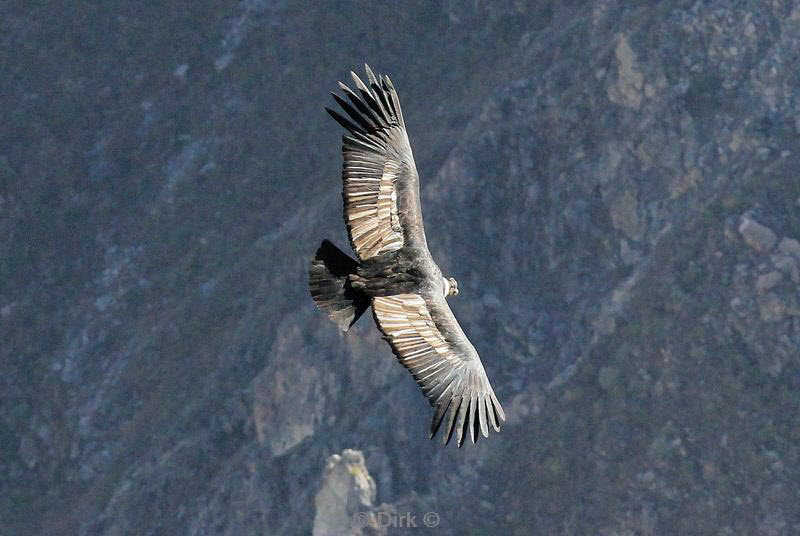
[615, 185]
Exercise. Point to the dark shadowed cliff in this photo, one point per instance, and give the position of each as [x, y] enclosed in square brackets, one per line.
[615, 185]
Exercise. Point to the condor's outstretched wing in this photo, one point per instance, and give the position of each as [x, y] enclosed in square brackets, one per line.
[381, 188]
[427, 340]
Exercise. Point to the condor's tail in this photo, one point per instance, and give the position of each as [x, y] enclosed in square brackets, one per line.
[330, 286]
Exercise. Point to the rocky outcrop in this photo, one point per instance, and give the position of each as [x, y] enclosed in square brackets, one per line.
[344, 503]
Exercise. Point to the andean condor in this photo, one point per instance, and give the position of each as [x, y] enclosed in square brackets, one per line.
[395, 272]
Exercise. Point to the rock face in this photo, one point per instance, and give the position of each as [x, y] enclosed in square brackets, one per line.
[344, 502]
[613, 184]
[757, 236]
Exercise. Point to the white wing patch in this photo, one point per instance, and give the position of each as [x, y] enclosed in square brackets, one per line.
[371, 206]
[406, 321]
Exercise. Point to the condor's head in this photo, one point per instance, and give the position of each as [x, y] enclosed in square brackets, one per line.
[450, 286]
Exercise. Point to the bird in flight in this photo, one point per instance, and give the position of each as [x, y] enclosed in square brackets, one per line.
[395, 273]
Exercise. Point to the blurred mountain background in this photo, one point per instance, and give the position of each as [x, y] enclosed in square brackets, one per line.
[615, 185]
